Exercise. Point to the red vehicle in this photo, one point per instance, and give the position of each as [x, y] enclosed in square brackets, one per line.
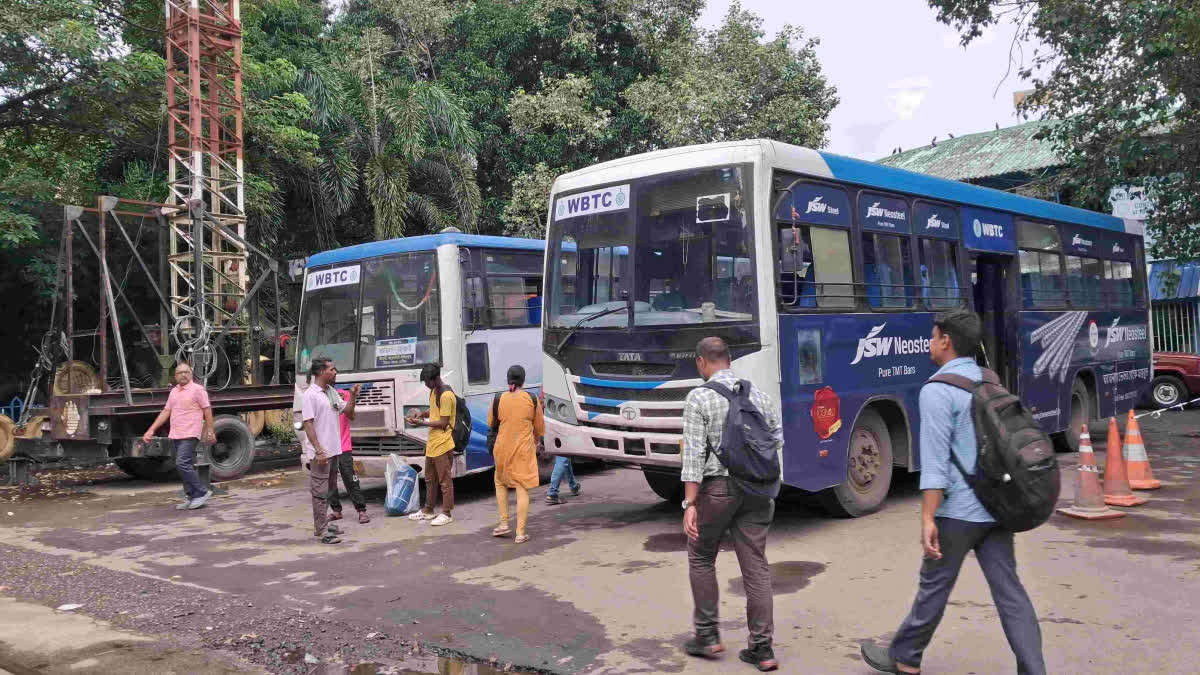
[1176, 378]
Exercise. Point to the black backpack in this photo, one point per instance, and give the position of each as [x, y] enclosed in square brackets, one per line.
[462, 422]
[494, 430]
[748, 447]
[1016, 476]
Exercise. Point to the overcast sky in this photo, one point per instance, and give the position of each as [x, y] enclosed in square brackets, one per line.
[902, 76]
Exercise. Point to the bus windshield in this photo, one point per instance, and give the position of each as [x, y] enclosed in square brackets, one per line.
[672, 249]
[378, 313]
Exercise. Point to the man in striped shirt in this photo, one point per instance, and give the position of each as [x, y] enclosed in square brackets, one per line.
[715, 504]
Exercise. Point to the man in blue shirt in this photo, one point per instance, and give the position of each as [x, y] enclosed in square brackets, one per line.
[953, 522]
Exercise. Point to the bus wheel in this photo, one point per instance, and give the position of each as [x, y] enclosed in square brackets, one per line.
[232, 454]
[1166, 391]
[868, 470]
[1081, 414]
[665, 484]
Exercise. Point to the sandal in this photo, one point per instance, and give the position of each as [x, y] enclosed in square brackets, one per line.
[331, 539]
[521, 539]
[363, 519]
[337, 515]
[501, 531]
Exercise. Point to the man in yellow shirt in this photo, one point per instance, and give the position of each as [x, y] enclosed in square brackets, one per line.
[439, 458]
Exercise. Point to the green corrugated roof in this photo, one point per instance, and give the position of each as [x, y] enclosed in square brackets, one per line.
[982, 155]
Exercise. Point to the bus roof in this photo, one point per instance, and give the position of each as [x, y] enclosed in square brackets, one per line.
[890, 178]
[429, 242]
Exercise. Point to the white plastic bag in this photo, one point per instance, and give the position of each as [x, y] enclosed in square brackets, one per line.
[403, 488]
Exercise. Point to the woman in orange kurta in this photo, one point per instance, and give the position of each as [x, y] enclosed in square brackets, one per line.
[515, 452]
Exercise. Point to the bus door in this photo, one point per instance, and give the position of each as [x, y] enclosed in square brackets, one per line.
[989, 281]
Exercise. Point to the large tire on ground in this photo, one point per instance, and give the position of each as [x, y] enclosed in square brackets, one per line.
[665, 484]
[157, 469]
[1167, 391]
[868, 470]
[8, 438]
[233, 453]
[1081, 412]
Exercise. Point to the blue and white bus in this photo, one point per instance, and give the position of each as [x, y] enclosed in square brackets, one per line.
[823, 274]
[382, 310]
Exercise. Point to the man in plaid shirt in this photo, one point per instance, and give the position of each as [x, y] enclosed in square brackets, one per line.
[715, 504]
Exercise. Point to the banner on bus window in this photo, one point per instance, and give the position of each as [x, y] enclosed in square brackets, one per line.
[604, 200]
[881, 213]
[816, 204]
[986, 230]
[936, 220]
[1093, 243]
[330, 278]
[395, 352]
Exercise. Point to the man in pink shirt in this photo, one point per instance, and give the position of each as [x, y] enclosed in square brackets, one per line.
[191, 419]
[345, 463]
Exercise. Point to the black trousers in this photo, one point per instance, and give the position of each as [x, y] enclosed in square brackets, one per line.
[345, 466]
[993, 548]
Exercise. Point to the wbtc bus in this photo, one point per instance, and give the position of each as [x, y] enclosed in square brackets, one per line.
[382, 310]
[822, 273]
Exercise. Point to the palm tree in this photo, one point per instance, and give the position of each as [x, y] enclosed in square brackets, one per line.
[404, 146]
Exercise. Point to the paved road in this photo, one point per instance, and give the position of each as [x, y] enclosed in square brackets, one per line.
[602, 586]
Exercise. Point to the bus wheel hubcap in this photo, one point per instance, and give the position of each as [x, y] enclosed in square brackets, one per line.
[864, 459]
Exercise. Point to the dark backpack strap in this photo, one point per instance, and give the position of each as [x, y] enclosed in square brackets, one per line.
[720, 389]
[495, 426]
[532, 398]
[956, 381]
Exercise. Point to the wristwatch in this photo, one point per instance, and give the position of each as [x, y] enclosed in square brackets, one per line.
[686, 504]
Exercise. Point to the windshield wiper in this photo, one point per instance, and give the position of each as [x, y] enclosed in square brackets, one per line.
[589, 317]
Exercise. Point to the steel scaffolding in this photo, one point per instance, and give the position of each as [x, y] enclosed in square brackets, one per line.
[204, 119]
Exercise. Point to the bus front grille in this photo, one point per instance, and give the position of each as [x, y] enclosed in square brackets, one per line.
[656, 395]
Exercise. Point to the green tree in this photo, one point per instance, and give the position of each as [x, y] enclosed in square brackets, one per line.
[1122, 79]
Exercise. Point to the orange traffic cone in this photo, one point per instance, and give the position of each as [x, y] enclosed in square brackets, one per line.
[1116, 484]
[1136, 462]
[1089, 499]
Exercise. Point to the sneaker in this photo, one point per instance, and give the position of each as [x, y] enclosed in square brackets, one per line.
[878, 658]
[576, 490]
[555, 500]
[420, 515]
[183, 505]
[201, 500]
[442, 519]
[704, 646]
[761, 657]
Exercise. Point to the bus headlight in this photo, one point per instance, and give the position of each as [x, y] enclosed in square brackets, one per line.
[560, 410]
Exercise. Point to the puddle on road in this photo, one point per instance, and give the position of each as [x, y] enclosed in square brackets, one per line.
[786, 577]
[440, 665]
[674, 542]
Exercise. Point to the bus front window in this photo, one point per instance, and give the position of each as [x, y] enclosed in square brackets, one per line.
[400, 320]
[329, 327]
[679, 252]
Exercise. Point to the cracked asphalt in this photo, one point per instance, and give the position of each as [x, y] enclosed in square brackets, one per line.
[601, 587]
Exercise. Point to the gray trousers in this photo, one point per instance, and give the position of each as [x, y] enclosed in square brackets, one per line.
[345, 466]
[722, 507]
[993, 548]
[319, 480]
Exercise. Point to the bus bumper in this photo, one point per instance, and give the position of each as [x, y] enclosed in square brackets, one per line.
[638, 448]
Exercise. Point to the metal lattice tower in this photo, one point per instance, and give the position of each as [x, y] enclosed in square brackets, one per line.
[204, 118]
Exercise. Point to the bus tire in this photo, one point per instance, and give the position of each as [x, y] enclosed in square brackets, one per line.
[1080, 414]
[666, 484]
[154, 469]
[1166, 391]
[868, 470]
[233, 453]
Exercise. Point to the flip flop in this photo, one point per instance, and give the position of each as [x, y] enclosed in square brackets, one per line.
[521, 539]
[501, 532]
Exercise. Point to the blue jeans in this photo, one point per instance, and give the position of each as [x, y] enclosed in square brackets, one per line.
[185, 461]
[562, 469]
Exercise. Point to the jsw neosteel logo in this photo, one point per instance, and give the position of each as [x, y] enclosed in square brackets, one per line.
[1125, 333]
[872, 345]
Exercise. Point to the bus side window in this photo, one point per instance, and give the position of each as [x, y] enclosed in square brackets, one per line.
[1041, 279]
[478, 367]
[939, 274]
[803, 281]
[1085, 276]
[887, 270]
[1122, 283]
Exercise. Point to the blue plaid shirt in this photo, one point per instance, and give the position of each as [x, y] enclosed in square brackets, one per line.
[704, 421]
